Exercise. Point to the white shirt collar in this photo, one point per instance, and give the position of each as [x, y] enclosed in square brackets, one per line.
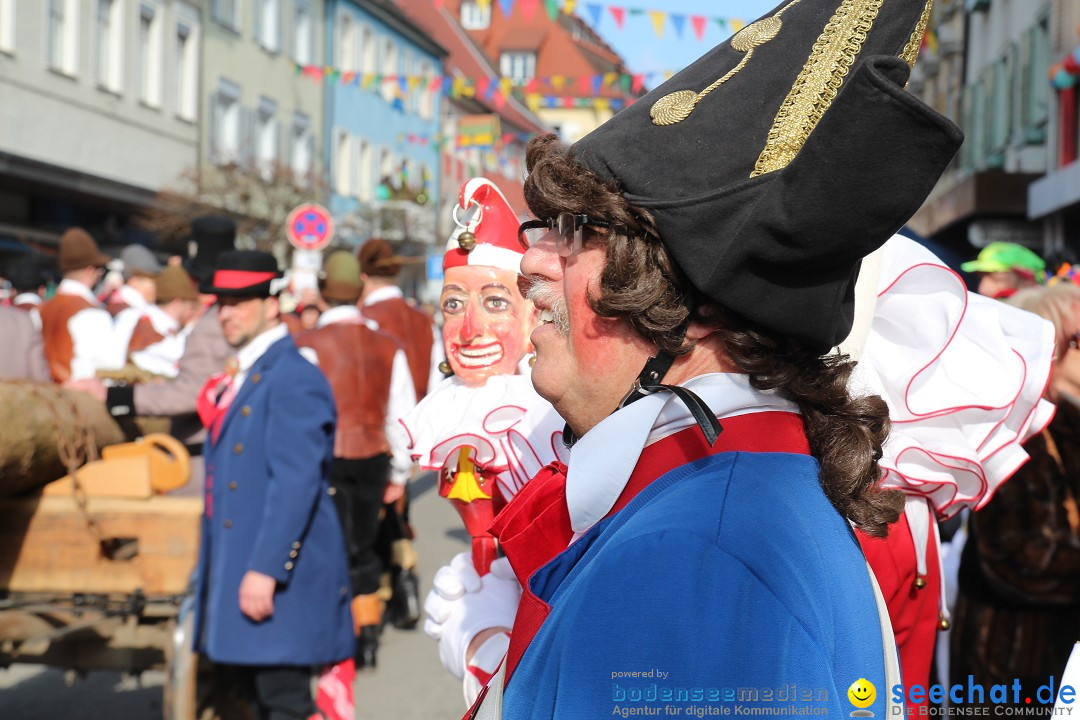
[383, 293]
[247, 355]
[131, 297]
[339, 313]
[602, 461]
[68, 286]
[164, 323]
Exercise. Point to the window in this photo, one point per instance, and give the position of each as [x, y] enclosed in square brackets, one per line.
[186, 65]
[518, 65]
[266, 138]
[343, 160]
[425, 98]
[475, 15]
[386, 168]
[369, 50]
[110, 44]
[227, 13]
[268, 24]
[407, 87]
[7, 26]
[346, 46]
[226, 120]
[149, 55]
[62, 35]
[301, 150]
[366, 187]
[1035, 100]
[389, 67]
[303, 33]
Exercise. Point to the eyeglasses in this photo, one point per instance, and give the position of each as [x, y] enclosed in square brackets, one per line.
[1074, 341]
[566, 228]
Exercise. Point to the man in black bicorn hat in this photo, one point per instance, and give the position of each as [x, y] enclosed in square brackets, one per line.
[694, 259]
[272, 598]
[205, 353]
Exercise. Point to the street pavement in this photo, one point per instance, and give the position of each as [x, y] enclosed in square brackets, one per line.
[408, 684]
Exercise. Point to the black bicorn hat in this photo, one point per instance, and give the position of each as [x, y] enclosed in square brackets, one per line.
[243, 273]
[211, 235]
[776, 162]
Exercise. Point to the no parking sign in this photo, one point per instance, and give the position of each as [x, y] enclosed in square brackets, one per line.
[309, 227]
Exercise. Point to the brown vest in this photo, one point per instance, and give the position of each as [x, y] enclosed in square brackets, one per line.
[358, 362]
[413, 328]
[59, 348]
[143, 336]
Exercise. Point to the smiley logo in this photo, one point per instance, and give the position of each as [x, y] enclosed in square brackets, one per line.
[862, 693]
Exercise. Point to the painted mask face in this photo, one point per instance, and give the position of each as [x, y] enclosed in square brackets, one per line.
[487, 322]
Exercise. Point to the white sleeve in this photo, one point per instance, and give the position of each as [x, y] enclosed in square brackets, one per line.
[438, 354]
[93, 343]
[124, 326]
[402, 400]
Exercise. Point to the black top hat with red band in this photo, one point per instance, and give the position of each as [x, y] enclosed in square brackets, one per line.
[243, 273]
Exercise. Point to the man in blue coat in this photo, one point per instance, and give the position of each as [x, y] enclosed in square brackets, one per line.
[273, 589]
[694, 261]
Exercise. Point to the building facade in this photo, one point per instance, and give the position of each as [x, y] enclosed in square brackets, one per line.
[557, 57]
[99, 106]
[985, 65]
[1054, 200]
[382, 113]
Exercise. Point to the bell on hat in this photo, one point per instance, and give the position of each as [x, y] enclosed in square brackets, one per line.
[778, 160]
[487, 229]
[243, 273]
[211, 235]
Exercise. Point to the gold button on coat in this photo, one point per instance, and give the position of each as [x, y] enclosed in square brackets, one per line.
[227, 523]
[256, 377]
[238, 448]
[246, 410]
[232, 485]
[293, 554]
[289, 565]
[296, 545]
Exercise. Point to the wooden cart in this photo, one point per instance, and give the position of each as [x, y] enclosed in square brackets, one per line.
[95, 574]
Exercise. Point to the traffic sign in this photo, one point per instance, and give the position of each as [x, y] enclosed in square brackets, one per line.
[309, 227]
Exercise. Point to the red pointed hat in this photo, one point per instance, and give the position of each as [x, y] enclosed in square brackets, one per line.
[487, 229]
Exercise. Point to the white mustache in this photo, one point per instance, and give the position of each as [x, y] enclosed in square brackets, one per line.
[544, 292]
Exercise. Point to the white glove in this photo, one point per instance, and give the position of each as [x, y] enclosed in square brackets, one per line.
[484, 664]
[462, 604]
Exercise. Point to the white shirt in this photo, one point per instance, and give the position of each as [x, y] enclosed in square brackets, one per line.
[247, 355]
[596, 475]
[125, 321]
[163, 357]
[94, 345]
[402, 393]
[437, 355]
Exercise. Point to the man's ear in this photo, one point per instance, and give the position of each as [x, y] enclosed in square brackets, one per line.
[272, 309]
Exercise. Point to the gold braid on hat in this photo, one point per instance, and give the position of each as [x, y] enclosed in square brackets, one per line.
[677, 106]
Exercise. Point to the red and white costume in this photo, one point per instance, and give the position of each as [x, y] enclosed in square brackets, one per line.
[963, 376]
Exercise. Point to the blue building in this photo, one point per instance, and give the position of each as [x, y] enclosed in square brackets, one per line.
[382, 115]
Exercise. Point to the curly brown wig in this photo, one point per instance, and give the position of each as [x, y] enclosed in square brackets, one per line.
[642, 285]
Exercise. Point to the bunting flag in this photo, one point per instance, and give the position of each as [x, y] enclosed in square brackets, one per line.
[619, 15]
[678, 22]
[596, 12]
[698, 23]
[658, 18]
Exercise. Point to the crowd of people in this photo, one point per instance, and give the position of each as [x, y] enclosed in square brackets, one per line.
[707, 414]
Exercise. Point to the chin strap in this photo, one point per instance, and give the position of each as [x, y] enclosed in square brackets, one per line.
[648, 382]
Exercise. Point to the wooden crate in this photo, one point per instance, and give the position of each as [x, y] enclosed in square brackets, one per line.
[46, 546]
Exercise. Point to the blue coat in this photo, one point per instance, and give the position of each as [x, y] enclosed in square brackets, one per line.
[271, 511]
[730, 581]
